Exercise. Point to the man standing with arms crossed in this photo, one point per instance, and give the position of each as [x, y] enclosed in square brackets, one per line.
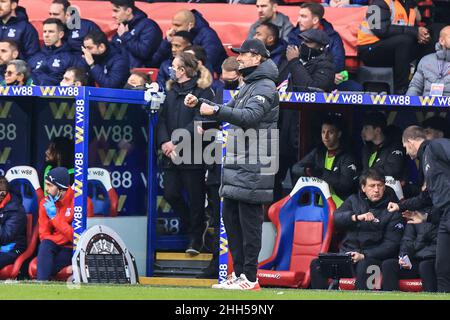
[246, 186]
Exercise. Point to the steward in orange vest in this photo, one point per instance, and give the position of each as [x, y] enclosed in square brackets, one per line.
[389, 37]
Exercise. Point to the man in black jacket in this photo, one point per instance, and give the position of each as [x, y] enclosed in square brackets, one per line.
[434, 159]
[372, 233]
[250, 163]
[381, 151]
[416, 259]
[190, 175]
[330, 162]
[310, 66]
[13, 225]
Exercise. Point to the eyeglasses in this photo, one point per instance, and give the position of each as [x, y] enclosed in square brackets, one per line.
[10, 73]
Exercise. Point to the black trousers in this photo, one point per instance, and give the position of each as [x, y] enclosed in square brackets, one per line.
[192, 213]
[442, 253]
[396, 52]
[423, 269]
[243, 223]
[361, 271]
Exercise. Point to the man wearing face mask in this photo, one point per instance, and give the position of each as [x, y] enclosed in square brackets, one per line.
[13, 223]
[178, 174]
[230, 80]
[74, 77]
[433, 72]
[309, 66]
[17, 73]
[137, 81]
[247, 181]
[179, 41]
[106, 65]
[55, 225]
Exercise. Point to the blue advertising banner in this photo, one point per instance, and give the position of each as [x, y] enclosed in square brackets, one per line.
[357, 99]
[15, 132]
[118, 143]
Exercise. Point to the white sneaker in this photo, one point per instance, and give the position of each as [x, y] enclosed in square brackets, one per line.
[230, 280]
[243, 283]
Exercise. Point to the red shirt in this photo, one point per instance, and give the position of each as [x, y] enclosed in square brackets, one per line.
[59, 229]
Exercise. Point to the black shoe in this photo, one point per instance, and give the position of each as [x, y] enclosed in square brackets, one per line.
[193, 248]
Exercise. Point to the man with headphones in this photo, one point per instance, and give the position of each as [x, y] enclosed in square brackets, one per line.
[310, 66]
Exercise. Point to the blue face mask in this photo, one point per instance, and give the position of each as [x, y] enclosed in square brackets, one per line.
[172, 74]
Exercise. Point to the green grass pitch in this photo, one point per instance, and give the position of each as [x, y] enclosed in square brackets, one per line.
[61, 291]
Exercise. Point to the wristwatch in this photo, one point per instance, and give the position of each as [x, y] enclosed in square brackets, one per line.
[216, 108]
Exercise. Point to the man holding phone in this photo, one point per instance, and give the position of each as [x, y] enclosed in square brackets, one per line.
[372, 233]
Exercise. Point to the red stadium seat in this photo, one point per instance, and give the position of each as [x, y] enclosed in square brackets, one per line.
[26, 180]
[304, 224]
[102, 195]
[407, 285]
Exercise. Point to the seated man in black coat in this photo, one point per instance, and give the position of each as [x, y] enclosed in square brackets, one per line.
[13, 225]
[310, 66]
[372, 233]
[381, 150]
[330, 162]
[418, 247]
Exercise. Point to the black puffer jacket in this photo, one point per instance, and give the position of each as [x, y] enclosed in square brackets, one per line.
[390, 159]
[175, 115]
[419, 241]
[255, 107]
[378, 240]
[13, 226]
[343, 177]
[315, 73]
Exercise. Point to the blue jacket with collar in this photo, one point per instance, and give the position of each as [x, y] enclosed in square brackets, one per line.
[49, 65]
[141, 41]
[20, 30]
[110, 70]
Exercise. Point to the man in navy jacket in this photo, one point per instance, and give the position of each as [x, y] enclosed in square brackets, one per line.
[13, 225]
[48, 65]
[9, 51]
[14, 25]
[203, 34]
[107, 66]
[59, 9]
[137, 36]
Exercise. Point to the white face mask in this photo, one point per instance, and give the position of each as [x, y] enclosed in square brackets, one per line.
[63, 84]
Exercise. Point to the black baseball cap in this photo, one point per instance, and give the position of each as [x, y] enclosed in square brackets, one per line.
[255, 46]
[315, 35]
